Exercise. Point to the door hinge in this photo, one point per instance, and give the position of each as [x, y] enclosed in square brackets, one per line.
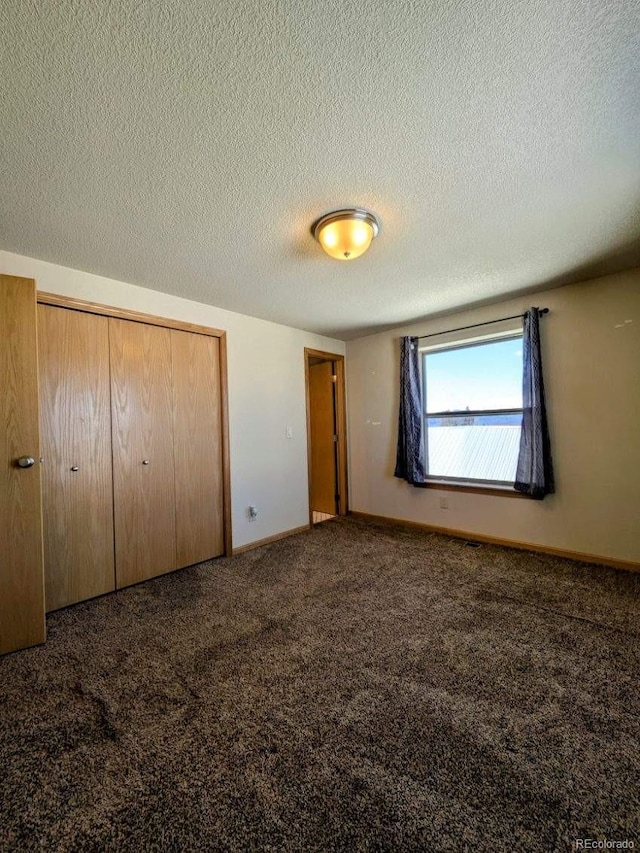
[335, 437]
[334, 378]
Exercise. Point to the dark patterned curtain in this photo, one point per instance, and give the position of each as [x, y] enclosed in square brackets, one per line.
[410, 455]
[534, 474]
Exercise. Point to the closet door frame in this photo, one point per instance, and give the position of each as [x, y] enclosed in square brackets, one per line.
[150, 319]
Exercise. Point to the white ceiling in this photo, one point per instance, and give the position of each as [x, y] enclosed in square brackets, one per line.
[188, 145]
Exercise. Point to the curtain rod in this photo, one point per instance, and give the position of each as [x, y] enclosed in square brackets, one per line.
[541, 311]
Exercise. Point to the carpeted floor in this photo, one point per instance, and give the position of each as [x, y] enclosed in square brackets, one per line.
[353, 688]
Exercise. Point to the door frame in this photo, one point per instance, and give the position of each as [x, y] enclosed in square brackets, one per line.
[341, 425]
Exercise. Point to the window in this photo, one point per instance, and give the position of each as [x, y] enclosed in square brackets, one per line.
[473, 409]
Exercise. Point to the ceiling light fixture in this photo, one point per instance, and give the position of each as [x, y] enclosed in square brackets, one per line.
[346, 234]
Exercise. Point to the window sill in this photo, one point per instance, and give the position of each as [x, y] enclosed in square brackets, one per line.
[474, 488]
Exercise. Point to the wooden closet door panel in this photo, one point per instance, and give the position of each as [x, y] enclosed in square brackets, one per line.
[22, 620]
[142, 435]
[197, 419]
[75, 418]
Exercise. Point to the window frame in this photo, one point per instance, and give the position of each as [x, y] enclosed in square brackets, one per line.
[467, 484]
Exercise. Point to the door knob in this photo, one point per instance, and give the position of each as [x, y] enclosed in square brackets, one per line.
[145, 461]
[26, 461]
[74, 467]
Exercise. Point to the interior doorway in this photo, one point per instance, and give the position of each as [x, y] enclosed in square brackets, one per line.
[326, 435]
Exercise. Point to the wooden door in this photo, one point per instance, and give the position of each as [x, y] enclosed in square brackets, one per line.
[322, 431]
[197, 429]
[22, 621]
[75, 417]
[142, 436]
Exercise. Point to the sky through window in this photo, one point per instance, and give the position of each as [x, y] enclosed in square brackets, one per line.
[485, 376]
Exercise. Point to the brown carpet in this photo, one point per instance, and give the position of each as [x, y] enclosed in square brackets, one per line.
[352, 688]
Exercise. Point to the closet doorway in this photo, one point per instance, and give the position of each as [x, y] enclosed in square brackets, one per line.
[326, 435]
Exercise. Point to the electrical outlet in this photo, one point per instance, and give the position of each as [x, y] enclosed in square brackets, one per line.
[253, 513]
[444, 502]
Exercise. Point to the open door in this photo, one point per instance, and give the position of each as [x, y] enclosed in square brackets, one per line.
[22, 620]
[324, 447]
[326, 435]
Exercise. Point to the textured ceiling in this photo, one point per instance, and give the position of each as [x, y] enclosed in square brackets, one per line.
[187, 146]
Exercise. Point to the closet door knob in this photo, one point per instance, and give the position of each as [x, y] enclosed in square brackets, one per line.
[74, 467]
[26, 462]
[145, 461]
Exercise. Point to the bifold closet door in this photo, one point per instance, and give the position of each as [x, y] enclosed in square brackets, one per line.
[75, 417]
[197, 423]
[142, 437]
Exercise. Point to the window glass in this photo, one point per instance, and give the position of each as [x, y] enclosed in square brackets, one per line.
[480, 376]
[473, 414]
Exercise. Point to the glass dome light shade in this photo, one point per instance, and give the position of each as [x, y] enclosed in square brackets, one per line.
[346, 234]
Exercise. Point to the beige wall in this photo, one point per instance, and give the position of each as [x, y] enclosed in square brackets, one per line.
[591, 359]
[266, 392]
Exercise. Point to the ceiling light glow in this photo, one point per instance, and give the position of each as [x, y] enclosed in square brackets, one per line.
[346, 234]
